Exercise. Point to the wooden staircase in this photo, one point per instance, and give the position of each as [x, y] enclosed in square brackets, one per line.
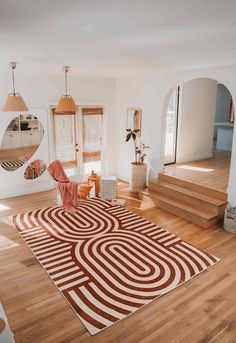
[196, 203]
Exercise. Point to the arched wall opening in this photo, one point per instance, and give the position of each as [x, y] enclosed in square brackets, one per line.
[198, 123]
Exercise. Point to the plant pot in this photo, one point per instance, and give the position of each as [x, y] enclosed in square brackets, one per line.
[138, 177]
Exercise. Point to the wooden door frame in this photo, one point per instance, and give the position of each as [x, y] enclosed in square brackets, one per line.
[176, 128]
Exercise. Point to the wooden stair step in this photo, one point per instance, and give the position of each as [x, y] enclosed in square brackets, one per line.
[202, 217]
[210, 192]
[185, 192]
[204, 213]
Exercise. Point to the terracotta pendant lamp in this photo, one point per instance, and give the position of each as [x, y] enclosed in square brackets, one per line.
[14, 102]
[66, 103]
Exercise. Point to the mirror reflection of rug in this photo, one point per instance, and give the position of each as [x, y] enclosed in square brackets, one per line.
[6, 335]
[13, 164]
[108, 262]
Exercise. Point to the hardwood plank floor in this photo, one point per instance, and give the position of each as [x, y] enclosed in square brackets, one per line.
[12, 154]
[202, 310]
[211, 172]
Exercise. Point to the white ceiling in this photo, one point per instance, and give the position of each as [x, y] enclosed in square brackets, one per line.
[114, 37]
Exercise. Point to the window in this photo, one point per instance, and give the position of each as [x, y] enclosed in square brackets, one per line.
[65, 137]
[92, 138]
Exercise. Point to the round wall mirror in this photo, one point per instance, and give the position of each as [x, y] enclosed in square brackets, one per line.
[20, 141]
[35, 169]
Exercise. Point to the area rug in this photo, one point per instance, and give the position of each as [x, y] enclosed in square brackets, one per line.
[107, 261]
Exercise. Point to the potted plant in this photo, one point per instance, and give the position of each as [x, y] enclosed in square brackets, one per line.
[138, 167]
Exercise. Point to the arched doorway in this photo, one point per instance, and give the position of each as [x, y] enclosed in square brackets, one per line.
[199, 120]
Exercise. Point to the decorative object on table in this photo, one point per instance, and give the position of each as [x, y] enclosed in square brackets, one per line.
[108, 188]
[117, 261]
[66, 103]
[14, 102]
[95, 180]
[134, 119]
[230, 219]
[6, 336]
[138, 176]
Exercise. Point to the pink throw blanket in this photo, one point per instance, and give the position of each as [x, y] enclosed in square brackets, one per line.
[37, 166]
[68, 189]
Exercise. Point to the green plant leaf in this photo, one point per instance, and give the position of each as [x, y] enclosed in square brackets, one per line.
[128, 137]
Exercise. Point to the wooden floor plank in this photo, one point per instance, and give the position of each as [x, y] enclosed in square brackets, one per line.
[202, 310]
[211, 172]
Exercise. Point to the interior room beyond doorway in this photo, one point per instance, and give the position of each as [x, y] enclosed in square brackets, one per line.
[199, 133]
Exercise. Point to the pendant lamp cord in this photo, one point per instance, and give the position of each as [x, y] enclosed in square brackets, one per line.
[66, 81]
[13, 81]
[66, 71]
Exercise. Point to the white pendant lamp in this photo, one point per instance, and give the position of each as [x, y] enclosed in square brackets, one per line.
[14, 102]
[66, 103]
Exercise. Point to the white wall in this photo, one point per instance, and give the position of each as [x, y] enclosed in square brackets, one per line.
[151, 94]
[40, 92]
[197, 104]
[223, 98]
[146, 94]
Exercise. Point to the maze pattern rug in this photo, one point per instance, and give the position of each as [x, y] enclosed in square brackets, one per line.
[107, 261]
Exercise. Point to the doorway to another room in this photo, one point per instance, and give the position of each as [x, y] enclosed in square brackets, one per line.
[199, 132]
[171, 127]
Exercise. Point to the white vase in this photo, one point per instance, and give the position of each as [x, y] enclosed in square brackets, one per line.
[138, 178]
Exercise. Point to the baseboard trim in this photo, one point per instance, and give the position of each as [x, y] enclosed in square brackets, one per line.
[40, 186]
